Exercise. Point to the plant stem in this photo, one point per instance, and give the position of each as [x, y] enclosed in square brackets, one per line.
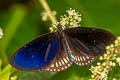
[48, 10]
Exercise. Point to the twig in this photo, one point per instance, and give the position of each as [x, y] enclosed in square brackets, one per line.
[47, 9]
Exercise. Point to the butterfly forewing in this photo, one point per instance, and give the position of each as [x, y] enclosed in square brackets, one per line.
[37, 54]
[87, 43]
[91, 41]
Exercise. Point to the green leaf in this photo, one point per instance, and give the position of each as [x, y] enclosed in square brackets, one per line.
[5, 73]
[0, 64]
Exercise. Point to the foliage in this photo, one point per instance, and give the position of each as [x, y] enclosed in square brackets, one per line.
[5, 73]
[22, 23]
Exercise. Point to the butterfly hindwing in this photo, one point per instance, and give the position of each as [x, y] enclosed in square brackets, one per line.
[37, 54]
[78, 56]
[61, 61]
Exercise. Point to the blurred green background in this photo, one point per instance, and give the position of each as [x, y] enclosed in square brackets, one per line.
[21, 22]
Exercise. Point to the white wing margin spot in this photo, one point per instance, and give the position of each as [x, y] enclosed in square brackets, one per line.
[82, 60]
[59, 65]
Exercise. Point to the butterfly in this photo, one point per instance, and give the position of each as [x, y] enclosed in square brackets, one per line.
[56, 51]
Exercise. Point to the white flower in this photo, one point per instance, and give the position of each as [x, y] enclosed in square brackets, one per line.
[1, 33]
[103, 75]
[118, 60]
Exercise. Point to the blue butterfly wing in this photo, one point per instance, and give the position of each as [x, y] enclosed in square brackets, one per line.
[37, 54]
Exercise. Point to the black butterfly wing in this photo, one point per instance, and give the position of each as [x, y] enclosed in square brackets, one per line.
[77, 55]
[88, 43]
[37, 54]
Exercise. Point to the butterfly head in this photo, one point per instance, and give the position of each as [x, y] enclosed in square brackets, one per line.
[60, 32]
[59, 27]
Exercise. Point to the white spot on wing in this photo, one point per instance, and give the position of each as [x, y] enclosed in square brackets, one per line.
[56, 64]
[81, 58]
[84, 58]
[75, 58]
[32, 56]
[60, 63]
[78, 59]
[87, 57]
[65, 67]
[51, 70]
[68, 64]
[52, 65]
[72, 56]
[65, 60]
[82, 63]
[89, 62]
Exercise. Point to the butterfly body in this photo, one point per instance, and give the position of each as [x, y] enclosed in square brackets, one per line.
[56, 51]
[62, 36]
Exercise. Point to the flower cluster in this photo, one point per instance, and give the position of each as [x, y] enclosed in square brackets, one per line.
[109, 60]
[71, 19]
